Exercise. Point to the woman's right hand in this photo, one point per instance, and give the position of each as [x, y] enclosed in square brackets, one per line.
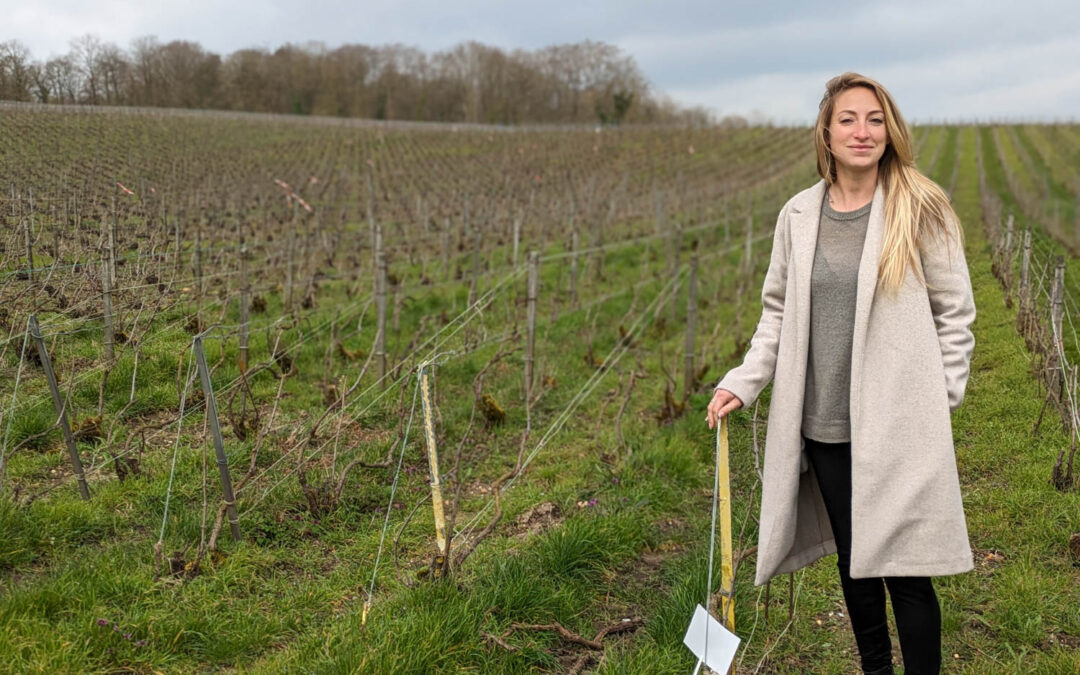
[723, 402]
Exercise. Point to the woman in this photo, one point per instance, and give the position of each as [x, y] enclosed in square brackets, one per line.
[865, 332]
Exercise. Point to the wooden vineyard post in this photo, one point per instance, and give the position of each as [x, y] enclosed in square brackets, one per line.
[219, 444]
[691, 321]
[380, 318]
[245, 304]
[442, 555]
[1025, 268]
[748, 265]
[676, 257]
[530, 329]
[727, 570]
[517, 238]
[727, 220]
[446, 249]
[198, 276]
[371, 214]
[112, 240]
[1057, 314]
[574, 241]
[106, 288]
[475, 279]
[1022, 316]
[1057, 305]
[289, 263]
[1007, 262]
[1009, 234]
[176, 243]
[28, 235]
[58, 404]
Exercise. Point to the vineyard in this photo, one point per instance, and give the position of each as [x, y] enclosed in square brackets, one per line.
[329, 395]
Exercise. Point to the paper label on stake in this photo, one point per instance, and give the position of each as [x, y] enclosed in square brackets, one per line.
[722, 643]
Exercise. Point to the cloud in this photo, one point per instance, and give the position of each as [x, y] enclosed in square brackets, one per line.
[963, 59]
[1036, 79]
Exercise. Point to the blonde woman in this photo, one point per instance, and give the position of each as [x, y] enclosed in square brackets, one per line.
[865, 333]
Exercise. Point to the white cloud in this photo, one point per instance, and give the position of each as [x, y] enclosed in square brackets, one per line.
[965, 59]
[1038, 80]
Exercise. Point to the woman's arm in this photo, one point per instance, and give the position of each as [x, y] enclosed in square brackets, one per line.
[952, 305]
[748, 380]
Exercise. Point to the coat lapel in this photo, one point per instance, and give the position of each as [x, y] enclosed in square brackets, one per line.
[864, 299]
[805, 219]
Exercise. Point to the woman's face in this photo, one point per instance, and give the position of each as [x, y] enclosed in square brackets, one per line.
[857, 134]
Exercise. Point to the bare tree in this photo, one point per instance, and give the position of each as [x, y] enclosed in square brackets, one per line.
[16, 71]
[85, 55]
[470, 82]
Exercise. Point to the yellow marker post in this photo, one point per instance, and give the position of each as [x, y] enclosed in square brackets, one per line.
[723, 477]
[433, 464]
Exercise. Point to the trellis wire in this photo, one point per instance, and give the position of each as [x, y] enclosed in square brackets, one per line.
[620, 347]
[188, 380]
[474, 308]
[11, 408]
[390, 504]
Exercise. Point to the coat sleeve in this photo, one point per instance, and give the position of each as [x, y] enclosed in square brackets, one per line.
[952, 304]
[749, 379]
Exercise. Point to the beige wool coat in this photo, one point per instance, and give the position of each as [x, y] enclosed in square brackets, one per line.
[909, 367]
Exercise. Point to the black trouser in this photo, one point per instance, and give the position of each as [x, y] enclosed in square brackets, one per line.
[915, 606]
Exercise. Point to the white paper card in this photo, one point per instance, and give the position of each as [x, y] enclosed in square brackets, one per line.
[722, 643]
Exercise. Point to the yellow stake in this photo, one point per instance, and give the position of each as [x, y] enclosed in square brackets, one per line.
[727, 582]
[433, 460]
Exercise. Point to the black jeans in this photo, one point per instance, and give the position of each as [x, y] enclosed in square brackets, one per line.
[915, 606]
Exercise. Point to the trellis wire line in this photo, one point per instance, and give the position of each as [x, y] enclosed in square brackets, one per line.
[159, 334]
[794, 606]
[393, 490]
[210, 303]
[1070, 395]
[474, 308]
[620, 347]
[218, 303]
[188, 379]
[1072, 327]
[628, 241]
[191, 410]
[83, 376]
[323, 446]
[753, 628]
[232, 384]
[11, 408]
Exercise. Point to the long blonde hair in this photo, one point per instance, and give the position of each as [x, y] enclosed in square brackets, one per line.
[915, 206]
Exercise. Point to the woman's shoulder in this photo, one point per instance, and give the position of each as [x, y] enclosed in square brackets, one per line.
[809, 198]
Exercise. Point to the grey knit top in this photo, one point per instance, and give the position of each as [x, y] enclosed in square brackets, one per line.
[832, 323]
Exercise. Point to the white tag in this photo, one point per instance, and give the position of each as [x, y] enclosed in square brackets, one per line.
[722, 643]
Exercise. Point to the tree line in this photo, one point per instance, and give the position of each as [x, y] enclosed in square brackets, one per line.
[471, 82]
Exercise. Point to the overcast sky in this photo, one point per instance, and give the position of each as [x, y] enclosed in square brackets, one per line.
[986, 59]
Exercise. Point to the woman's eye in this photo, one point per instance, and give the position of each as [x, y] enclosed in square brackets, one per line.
[877, 120]
[846, 120]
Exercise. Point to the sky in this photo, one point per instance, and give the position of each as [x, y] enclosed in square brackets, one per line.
[956, 61]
